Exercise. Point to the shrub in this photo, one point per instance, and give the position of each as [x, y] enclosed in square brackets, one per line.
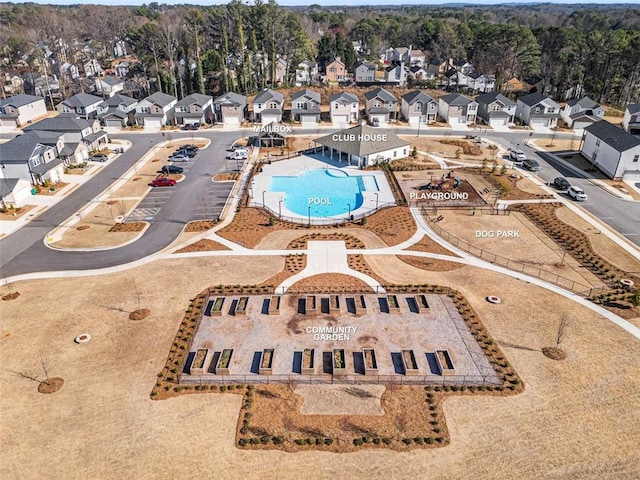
[366, 439]
[265, 439]
[377, 441]
[328, 441]
[254, 441]
[428, 440]
[242, 442]
[407, 441]
[244, 430]
[279, 440]
[357, 442]
[386, 440]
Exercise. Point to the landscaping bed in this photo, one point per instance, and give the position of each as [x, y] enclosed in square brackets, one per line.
[426, 244]
[226, 177]
[349, 240]
[200, 226]
[203, 245]
[430, 264]
[128, 227]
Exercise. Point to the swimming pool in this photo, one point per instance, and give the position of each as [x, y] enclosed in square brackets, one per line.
[329, 192]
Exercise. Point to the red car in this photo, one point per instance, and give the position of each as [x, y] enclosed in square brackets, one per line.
[163, 182]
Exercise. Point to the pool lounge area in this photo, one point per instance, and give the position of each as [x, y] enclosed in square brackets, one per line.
[310, 189]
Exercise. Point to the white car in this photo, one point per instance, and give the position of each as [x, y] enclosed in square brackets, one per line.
[517, 155]
[238, 155]
[577, 193]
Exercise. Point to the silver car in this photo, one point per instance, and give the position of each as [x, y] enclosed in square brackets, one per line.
[178, 158]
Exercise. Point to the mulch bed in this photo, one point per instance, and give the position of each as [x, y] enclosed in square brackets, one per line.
[83, 227]
[139, 314]
[431, 264]
[11, 296]
[200, 226]
[203, 245]
[554, 353]
[426, 244]
[225, 177]
[51, 386]
[128, 227]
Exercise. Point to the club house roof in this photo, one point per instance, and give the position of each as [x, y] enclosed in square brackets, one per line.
[362, 140]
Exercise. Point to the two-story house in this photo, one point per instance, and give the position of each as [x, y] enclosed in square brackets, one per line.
[495, 109]
[631, 119]
[156, 110]
[82, 105]
[381, 106]
[21, 110]
[306, 72]
[611, 149]
[26, 157]
[418, 107]
[580, 113]
[230, 109]
[194, 109]
[109, 86]
[281, 70]
[305, 107]
[75, 131]
[418, 58]
[456, 80]
[457, 109]
[117, 111]
[537, 110]
[267, 107]
[336, 71]
[480, 83]
[365, 72]
[344, 108]
[396, 73]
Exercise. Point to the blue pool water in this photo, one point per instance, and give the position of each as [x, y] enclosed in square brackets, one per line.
[328, 192]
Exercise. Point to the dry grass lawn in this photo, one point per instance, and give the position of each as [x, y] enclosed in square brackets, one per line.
[432, 145]
[557, 145]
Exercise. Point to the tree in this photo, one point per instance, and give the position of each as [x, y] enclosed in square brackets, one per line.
[194, 25]
[325, 51]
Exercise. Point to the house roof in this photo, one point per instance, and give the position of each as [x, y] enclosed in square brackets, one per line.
[21, 148]
[382, 94]
[231, 98]
[118, 100]
[369, 66]
[194, 99]
[416, 96]
[536, 98]
[114, 112]
[112, 81]
[336, 61]
[44, 167]
[362, 146]
[306, 95]
[456, 99]
[60, 124]
[417, 53]
[491, 97]
[81, 100]
[416, 69]
[633, 108]
[613, 136]
[584, 102]
[343, 98]
[160, 99]
[268, 94]
[92, 137]
[19, 100]
[7, 185]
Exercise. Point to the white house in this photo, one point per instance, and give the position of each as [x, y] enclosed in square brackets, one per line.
[75, 131]
[117, 111]
[25, 157]
[267, 107]
[581, 113]
[418, 107]
[537, 110]
[194, 108]
[631, 119]
[109, 86]
[14, 192]
[156, 110]
[306, 72]
[495, 109]
[81, 104]
[481, 83]
[396, 73]
[611, 149]
[457, 109]
[21, 110]
[344, 108]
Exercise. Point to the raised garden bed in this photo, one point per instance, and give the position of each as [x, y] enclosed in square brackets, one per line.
[308, 365]
[409, 363]
[266, 362]
[445, 362]
[223, 367]
[274, 305]
[361, 305]
[201, 361]
[241, 306]
[311, 305]
[216, 309]
[334, 304]
[370, 362]
[421, 302]
[339, 362]
[392, 302]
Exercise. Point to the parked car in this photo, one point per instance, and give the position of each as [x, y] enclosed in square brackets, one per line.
[163, 182]
[188, 153]
[577, 193]
[517, 155]
[172, 169]
[375, 122]
[233, 148]
[178, 158]
[238, 155]
[191, 126]
[188, 146]
[561, 183]
[531, 165]
[99, 157]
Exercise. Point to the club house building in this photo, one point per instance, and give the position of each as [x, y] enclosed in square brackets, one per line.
[362, 146]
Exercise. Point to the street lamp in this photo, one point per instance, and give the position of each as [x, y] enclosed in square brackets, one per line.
[418, 134]
[309, 215]
[280, 208]
[263, 192]
[349, 205]
[376, 194]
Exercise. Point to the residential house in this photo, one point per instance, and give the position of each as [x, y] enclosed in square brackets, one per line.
[344, 108]
[537, 110]
[515, 86]
[230, 109]
[336, 71]
[457, 109]
[121, 69]
[282, 69]
[21, 110]
[365, 72]
[117, 111]
[306, 73]
[109, 86]
[381, 106]
[194, 109]
[495, 109]
[14, 192]
[481, 83]
[46, 85]
[12, 84]
[305, 107]
[611, 149]
[417, 58]
[83, 105]
[92, 68]
[156, 110]
[456, 80]
[25, 157]
[398, 55]
[396, 73]
[418, 107]
[581, 113]
[631, 119]
[267, 107]
[75, 130]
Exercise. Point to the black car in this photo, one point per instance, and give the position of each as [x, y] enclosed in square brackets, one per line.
[561, 183]
[531, 165]
[189, 147]
[172, 169]
[188, 153]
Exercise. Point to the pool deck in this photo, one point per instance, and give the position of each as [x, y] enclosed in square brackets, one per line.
[302, 163]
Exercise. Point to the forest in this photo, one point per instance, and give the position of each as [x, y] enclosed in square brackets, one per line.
[596, 46]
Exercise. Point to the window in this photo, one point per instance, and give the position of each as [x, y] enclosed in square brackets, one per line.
[333, 69]
[395, 153]
[376, 103]
[418, 106]
[598, 142]
[495, 108]
[635, 158]
[259, 105]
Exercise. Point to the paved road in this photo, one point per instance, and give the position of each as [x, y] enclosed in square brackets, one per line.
[25, 252]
